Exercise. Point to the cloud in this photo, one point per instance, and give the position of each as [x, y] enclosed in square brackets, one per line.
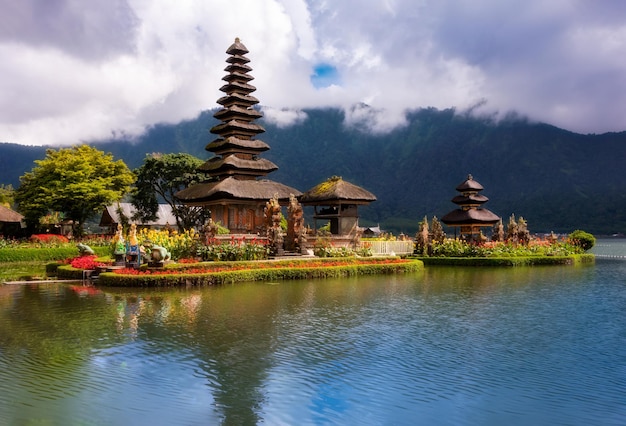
[76, 71]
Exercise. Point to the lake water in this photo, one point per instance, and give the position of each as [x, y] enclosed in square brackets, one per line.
[449, 346]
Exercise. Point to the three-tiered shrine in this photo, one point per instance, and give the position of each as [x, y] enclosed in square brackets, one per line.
[470, 217]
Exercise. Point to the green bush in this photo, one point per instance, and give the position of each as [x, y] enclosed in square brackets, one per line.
[43, 254]
[582, 239]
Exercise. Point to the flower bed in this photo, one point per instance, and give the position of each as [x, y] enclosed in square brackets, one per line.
[214, 273]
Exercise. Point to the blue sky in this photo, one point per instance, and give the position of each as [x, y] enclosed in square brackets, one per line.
[77, 71]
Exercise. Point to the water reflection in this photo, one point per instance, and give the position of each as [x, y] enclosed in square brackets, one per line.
[471, 346]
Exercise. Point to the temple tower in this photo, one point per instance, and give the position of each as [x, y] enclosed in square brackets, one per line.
[237, 192]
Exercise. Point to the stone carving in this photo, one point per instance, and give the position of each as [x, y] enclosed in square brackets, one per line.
[159, 254]
[273, 215]
[84, 249]
[296, 232]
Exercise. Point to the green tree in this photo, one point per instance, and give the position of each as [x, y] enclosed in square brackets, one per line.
[159, 178]
[6, 195]
[76, 181]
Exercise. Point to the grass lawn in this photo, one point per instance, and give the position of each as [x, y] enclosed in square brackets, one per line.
[24, 270]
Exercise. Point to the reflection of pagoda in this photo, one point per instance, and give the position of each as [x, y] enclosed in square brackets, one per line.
[470, 217]
[236, 195]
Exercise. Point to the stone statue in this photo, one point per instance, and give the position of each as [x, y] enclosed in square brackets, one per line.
[159, 254]
[210, 231]
[273, 215]
[84, 249]
[132, 235]
[296, 233]
[119, 245]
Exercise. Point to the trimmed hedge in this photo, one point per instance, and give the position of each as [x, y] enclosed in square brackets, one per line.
[573, 259]
[44, 254]
[258, 274]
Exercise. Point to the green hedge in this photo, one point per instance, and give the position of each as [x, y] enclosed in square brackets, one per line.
[270, 274]
[44, 254]
[573, 259]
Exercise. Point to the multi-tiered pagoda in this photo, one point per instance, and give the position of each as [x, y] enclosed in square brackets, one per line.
[237, 194]
[470, 217]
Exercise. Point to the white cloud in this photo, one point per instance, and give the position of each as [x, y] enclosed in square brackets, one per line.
[78, 71]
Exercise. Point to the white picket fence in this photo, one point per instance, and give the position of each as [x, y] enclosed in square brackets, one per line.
[390, 248]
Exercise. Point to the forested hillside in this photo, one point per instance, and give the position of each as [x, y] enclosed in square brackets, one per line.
[557, 180]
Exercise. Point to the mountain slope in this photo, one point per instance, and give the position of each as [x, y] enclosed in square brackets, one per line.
[555, 179]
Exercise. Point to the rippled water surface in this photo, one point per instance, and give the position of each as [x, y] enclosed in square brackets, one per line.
[475, 346]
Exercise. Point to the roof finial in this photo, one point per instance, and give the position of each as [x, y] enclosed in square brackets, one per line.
[237, 40]
[470, 177]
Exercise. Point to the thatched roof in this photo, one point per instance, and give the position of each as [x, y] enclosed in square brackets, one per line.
[110, 215]
[335, 190]
[479, 217]
[9, 216]
[470, 199]
[235, 144]
[235, 189]
[469, 184]
[221, 165]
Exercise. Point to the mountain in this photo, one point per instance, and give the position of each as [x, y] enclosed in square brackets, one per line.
[557, 180]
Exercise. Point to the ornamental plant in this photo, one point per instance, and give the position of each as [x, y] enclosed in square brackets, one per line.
[179, 244]
[459, 248]
[85, 262]
[234, 250]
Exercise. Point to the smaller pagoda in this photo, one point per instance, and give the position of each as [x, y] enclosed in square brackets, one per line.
[336, 201]
[470, 217]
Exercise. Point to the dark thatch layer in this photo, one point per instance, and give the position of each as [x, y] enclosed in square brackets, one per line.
[236, 112]
[235, 189]
[469, 184]
[9, 216]
[218, 165]
[237, 99]
[237, 128]
[470, 199]
[234, 144]
[336, 189]
[481, 217]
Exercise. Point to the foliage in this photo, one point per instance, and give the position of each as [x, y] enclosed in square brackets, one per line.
[582, 239]
[179, 244]
[22, 270]
[572, 259]
[44, 254]
[76, 181]
[234, 250]
[49, 240]
[6, 195]
[459, 248]
[159, 178]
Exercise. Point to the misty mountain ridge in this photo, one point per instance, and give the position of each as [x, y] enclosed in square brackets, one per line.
[557, 180]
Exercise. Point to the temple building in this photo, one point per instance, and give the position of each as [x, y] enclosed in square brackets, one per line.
[470, 217]
[237, 191]
[336, 201]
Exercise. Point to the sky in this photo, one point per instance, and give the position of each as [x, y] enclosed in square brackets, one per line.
[76, 71]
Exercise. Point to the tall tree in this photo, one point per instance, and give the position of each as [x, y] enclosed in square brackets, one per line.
[6, 195]
[159, 178]
[76, 181]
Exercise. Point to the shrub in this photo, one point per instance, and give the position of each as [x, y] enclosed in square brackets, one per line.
[582, 239]
[234, 250]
